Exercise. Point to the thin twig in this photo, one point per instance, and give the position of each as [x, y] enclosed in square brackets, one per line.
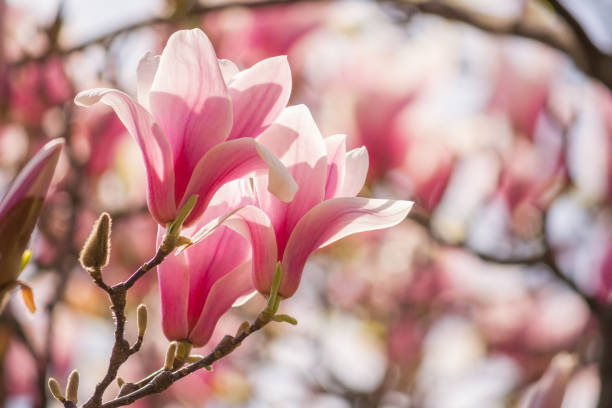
[166, 378]
[121, 348]
[160, 255]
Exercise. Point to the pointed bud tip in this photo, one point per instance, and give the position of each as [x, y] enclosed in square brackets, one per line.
[285, 318]
[72, 388]
[95, 252]
[141, 313]
[88, 97]
[54, 387]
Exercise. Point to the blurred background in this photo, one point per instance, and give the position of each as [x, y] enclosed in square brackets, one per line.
[495, 117]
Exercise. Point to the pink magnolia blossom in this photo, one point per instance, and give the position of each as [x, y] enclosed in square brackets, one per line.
[264, 31]
[35, 88]
[521, 91]
[380, 114]
[324, 209]
[533, 173]
[196, 120]
[376, 116]
[98, 135]
[200, 284]
[19, 211]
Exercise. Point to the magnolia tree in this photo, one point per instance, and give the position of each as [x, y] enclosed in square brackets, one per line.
[191, 198]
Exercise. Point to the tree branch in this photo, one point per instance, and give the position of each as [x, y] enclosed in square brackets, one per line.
[195, 10]
[117, 294]
[166, 378]
[587, 57]
[546, 258]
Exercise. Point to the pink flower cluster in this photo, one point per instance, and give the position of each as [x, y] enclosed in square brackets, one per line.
[279, 189]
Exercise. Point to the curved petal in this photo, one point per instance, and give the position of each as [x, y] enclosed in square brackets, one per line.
[189, 100]
[252, 223]
[232, 160]
[259, 94]
[220, 298]
[228, 70]
[145, 73]
[336, 158]
[209, 261]
[155, 148]
[330, 221]
[356, 171]
[21, 206]
[34, 179]
[173, 277]
[231, 196]
[296, 140]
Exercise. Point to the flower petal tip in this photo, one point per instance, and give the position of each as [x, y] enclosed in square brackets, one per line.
[283, 189]
[55, 145]
[88, 97]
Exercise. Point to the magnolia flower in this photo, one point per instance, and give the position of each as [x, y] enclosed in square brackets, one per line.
[19, 211]
[196, 119]
[200, 284]
[324, 209]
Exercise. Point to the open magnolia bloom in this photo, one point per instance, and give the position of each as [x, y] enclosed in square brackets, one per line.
[196, 121]
[198, 285]
[324, 209]
[19, 211]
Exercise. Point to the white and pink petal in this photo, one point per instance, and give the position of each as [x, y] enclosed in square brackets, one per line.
[259, 94]
[330, 221]
[155, 148]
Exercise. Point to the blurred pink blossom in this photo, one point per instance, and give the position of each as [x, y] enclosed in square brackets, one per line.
[521, 92]
[19, 211]
[36, 87]
[263, 32]
[548, 392]
[533, 173]
[97, 136]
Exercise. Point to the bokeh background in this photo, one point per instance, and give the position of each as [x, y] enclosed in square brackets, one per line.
[495, 117]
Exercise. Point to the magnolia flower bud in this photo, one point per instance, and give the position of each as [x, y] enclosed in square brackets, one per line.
[72, 388]
[54, 387]
[95, 252]
[141, 313]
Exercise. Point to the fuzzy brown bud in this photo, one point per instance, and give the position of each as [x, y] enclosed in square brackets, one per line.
[54, 387]
[72, 388]
[141, 313]
[96, 250]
